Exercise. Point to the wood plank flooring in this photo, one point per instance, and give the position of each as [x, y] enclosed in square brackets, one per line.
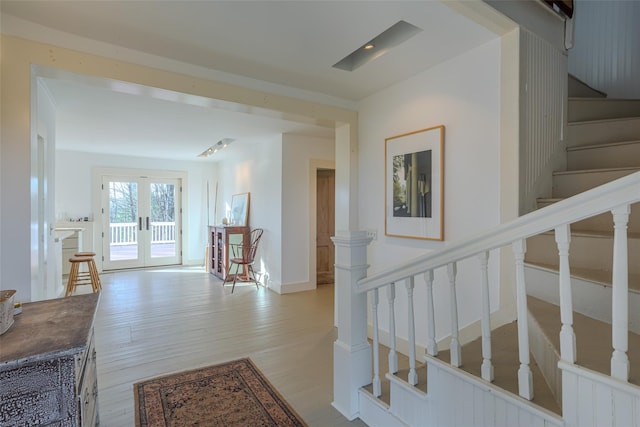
[154, 322]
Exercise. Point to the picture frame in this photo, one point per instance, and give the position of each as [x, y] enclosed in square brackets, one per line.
[239, 213]
[414, 184]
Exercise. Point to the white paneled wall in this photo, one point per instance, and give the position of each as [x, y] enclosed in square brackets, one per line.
[543, 116]
[607, 43]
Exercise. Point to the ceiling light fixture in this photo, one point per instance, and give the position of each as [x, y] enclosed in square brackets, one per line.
[399, 32]
[223, 143]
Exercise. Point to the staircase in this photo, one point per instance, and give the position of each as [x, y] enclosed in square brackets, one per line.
[603, 144]
[554, 365]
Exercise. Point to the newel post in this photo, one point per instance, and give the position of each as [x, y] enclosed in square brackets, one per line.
[351, 351]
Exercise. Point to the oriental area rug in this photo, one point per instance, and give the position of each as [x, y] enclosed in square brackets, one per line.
[229, 394]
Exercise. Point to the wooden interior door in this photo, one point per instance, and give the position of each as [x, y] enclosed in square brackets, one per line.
[325, 225]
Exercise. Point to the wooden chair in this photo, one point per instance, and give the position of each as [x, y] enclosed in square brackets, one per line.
[242, 257]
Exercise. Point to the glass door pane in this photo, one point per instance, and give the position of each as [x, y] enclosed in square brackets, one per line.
[163, 219]
[123, 221]
[141, 222]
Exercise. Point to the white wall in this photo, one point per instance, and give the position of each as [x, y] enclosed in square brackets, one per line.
[276, 174]
[257, 169]
[607, 42]
[297, 151]
[43, 266]
[74, 194]
[462, 94]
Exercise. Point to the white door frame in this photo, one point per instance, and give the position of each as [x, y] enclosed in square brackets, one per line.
[98, 173]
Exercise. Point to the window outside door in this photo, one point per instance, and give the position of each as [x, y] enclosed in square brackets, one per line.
[141, 222]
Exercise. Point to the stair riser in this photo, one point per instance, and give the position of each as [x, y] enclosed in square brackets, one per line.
[613, 156]
[600, 132]
[585, 252]
[604, 222]
[374, 414]
[590, 299]
[567, 185]
[583, 109]
[546, 356]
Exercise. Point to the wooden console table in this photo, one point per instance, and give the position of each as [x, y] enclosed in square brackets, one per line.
[219, 239]
[48, 364]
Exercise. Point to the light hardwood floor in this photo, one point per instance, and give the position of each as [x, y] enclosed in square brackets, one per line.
[154, 322]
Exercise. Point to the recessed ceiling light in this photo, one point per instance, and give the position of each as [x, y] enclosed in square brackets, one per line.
[399, 32]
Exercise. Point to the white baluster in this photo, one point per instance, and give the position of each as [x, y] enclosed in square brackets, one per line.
[487, 366]
[413, 376]
[620, 301]
[456, 351]
[393, 354]
[377, 387]
[525, 378]
[432, 346]
[567, 335]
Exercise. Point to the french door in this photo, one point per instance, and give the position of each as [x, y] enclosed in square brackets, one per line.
[141, 222]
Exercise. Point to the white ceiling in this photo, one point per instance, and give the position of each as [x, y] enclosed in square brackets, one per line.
[281, 43]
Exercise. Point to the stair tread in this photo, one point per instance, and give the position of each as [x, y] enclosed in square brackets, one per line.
[582, 171]
[620, 119]
[559, 199]
[581, 232]
[550, 199]
[598, 276]
[504, 350]
[403, 364]
[602, 145]
[598, 99]
[590, 336]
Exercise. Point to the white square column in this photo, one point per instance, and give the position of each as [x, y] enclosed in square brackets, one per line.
[352, 363]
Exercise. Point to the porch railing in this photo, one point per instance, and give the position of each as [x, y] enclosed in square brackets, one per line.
[615, 197]
[126, 233]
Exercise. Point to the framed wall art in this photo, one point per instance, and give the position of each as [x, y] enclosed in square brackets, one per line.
[414, 184]
[239, 209]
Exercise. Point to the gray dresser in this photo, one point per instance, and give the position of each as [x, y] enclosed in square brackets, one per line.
[48, 365]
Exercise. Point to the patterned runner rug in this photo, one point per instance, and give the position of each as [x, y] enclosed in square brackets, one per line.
[229, 394]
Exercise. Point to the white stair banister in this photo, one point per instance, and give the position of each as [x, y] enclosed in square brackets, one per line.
[413, 376]
[393, 354]
[377, 387]
[487, 367]
[620, 289]
[614, 197]
[456, 350]
[432, 346]
[525, 377]
[567, 335]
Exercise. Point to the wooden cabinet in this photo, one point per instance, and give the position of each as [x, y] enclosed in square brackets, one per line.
[220, 237]
[48, 365]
